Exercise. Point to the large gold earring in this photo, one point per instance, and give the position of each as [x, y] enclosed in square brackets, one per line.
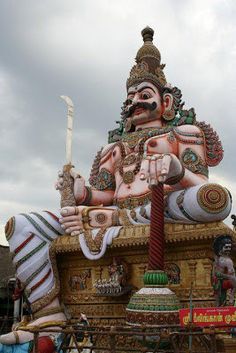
[128, 125]
[169, 114]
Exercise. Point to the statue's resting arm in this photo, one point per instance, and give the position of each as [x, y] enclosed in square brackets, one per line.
[191, 153]
[186, 146]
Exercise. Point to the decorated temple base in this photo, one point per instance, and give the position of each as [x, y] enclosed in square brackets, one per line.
[189, 258]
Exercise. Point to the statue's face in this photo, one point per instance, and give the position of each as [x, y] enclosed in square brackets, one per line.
[226, 249]
[143, 103]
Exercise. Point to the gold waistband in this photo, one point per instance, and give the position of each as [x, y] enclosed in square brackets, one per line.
[132, 202]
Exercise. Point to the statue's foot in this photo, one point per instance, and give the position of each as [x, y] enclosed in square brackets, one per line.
[47, 322]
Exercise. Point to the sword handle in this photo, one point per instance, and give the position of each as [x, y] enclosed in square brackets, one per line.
[67, 191]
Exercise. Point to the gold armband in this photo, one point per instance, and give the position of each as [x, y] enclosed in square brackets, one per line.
[85, 217]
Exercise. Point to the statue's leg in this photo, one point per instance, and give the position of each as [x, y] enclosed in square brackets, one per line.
[201, 203]
[30, 236]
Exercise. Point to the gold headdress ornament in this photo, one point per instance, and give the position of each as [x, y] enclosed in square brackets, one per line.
[148, 59]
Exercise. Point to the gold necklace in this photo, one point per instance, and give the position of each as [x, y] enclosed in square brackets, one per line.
[132, 138]
[129, 175]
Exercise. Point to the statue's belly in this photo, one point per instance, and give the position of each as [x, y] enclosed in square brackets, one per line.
[125, 189]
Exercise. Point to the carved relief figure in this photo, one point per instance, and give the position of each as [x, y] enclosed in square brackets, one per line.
[223, 274]
[79, 281]
[118, 274]
[173, 272]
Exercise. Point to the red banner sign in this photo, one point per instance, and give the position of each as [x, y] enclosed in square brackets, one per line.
[217, 316]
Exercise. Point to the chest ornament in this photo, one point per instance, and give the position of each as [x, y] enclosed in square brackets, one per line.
[137, 138]
[129, 175]
[133, 138]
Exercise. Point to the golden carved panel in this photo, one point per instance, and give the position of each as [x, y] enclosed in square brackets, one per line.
[188, 255]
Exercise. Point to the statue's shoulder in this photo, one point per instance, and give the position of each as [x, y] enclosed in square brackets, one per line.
[189, 130]
[214, 149]
[107, 149]
[204, 134]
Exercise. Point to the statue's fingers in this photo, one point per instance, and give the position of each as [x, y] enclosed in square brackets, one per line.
[56, 185]
[165, 167]
[153, 171]
[144, 171]
[70, 224]
[166, 160]
[60, 181]
[73, 229]
[68, 211]
[76, 232]
[75, 218]
[74, 174]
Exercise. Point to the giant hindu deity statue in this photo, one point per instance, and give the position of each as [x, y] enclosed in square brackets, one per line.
[159, 141]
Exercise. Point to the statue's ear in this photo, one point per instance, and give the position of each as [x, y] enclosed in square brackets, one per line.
[168, 103]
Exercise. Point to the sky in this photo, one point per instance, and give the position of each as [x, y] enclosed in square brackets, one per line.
[85, 49]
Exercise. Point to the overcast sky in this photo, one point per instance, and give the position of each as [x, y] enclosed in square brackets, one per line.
[85, 49]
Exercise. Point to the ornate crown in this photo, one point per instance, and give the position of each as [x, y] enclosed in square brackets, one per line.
[148, 61]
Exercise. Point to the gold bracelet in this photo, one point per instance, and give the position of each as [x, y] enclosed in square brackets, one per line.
[85, 215]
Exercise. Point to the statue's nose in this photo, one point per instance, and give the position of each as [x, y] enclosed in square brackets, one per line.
[135, 98]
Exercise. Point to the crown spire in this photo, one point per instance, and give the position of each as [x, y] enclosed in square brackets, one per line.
[147, 34]
[148, 59]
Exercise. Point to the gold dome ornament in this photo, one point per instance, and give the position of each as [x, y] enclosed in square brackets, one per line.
[148, 61]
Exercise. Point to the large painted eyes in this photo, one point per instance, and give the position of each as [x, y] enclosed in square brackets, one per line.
[145, 95]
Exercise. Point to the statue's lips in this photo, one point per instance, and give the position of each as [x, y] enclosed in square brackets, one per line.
[138, 111]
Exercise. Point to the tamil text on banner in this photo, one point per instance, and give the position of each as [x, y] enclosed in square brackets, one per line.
[219, 316]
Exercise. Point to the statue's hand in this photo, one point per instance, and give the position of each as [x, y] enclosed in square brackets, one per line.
[76, 219]
[161, 168]
[71, 220]
[79, 185]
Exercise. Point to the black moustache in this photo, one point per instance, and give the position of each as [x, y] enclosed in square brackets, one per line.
[148, 106]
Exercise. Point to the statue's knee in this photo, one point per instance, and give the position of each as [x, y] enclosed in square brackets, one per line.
[214, 199]
[16, 225]
[10, 228]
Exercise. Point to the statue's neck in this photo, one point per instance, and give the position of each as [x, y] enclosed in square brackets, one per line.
[150, 124]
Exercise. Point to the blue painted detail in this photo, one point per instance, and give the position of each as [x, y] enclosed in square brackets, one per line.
[15, 348]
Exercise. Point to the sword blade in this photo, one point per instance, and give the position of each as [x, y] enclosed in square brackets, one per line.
[70, 117]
